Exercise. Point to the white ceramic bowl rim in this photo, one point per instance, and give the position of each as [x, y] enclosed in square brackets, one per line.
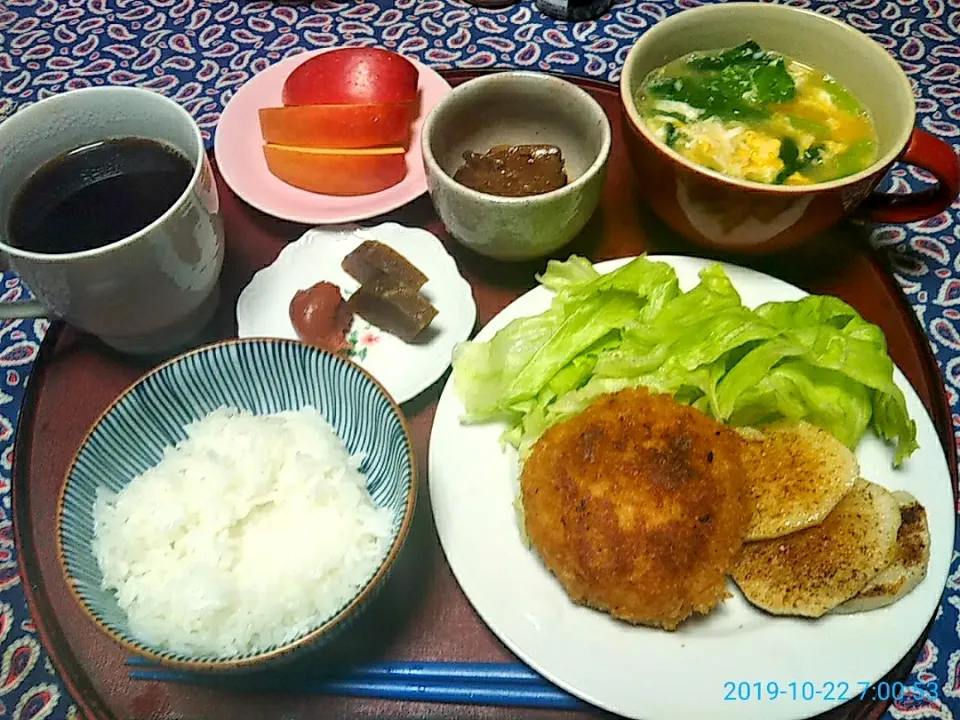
[666, 26]
[581, 96]
[109, 92]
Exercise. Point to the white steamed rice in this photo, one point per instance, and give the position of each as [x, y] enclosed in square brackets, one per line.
[247, 533]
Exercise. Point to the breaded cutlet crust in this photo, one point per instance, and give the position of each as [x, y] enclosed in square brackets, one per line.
[638, 505]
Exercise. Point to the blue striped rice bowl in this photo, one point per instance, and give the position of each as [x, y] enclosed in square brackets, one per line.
[262, 376]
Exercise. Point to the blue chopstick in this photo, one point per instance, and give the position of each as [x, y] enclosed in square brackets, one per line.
[504, 684]
[507, 673]
[530, 696]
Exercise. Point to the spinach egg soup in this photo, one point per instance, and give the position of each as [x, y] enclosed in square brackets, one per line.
[757, 115]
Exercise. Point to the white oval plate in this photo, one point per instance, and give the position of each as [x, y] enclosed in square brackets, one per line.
[404, 369]
[647, 673]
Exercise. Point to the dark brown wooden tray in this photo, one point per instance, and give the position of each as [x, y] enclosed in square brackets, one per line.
[422, 614]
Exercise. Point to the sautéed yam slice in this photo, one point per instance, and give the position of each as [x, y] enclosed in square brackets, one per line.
[909, 565]
[810, 572]
[797, 474]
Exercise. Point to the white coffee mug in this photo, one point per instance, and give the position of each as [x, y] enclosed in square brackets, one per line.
[151, 291]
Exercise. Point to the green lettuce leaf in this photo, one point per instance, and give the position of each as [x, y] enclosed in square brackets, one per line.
[815, 359]
[566, 274]
[589, 322]
[796, 390]
[483, 371]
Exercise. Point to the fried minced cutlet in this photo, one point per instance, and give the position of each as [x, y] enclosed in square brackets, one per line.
[638, 506]
[810, 572]
[909, 565]
[797, 474]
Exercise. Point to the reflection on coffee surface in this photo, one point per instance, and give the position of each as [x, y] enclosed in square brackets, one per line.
[97, 194]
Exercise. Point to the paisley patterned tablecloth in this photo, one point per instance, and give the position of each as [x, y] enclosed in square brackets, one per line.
[200, 51]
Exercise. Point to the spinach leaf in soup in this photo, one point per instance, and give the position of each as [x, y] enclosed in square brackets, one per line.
[794, 160]
[714, 97]
[773, 83]
[670, 134]
[740, 83]
[790, 156]
[749, 53]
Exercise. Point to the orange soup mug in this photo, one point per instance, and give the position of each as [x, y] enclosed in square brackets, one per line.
[739, 216]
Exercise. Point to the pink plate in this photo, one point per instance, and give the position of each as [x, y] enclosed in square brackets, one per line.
[238, 146]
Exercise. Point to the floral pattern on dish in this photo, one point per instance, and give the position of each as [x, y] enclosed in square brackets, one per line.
[361, 341]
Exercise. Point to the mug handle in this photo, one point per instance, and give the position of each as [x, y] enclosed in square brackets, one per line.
[22, 309]
[936, 157]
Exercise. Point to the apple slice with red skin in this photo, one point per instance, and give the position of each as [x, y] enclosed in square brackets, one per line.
[352, 76]
[337, 171]
[338, 126]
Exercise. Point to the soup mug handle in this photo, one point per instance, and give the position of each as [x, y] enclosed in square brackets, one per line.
[936, 157]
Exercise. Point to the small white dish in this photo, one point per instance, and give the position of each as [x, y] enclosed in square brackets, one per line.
[405, 370]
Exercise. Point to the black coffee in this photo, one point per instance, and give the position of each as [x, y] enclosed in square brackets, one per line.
[97, 194]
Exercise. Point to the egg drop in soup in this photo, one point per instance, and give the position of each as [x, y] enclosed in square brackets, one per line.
[756, 115]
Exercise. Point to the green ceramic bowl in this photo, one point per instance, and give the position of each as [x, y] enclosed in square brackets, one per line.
[516, 108]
